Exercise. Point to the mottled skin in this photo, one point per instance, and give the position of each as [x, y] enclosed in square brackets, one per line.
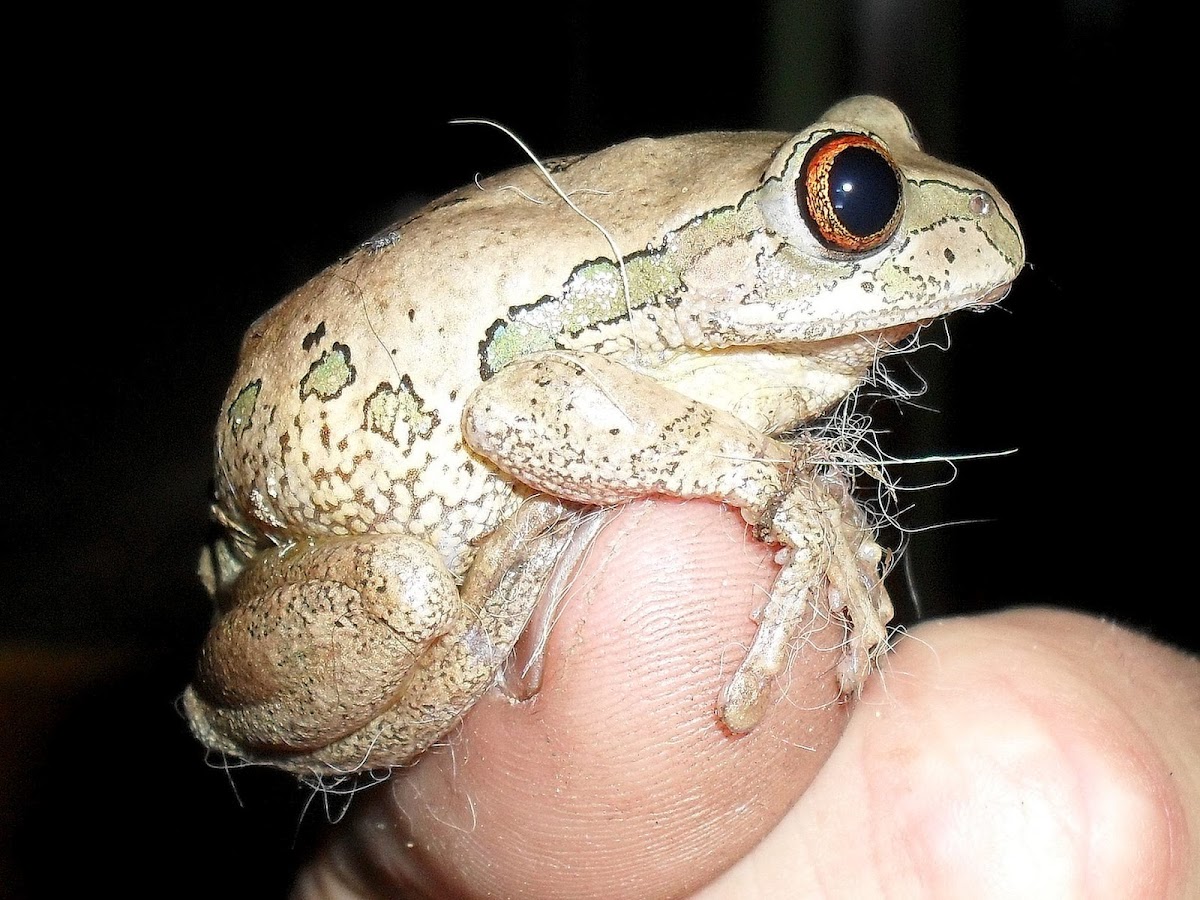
[401, 430]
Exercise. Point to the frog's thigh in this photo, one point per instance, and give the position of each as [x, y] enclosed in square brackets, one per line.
[359, 653]
[316, 639]
[586, 428]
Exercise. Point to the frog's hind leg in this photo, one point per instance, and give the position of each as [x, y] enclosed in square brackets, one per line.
[371, 652]
[503, 586]
[586, 428]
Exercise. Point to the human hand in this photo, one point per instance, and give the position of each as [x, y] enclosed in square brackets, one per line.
[1022, 754]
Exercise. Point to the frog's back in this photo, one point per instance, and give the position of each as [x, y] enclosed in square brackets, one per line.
[344, 415]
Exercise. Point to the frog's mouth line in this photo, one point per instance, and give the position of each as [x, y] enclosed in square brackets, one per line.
[901, 319]
[978, 304]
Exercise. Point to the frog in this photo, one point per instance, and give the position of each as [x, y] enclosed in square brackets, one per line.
[411, 436]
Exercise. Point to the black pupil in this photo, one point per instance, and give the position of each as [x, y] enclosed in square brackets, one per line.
[864, 190]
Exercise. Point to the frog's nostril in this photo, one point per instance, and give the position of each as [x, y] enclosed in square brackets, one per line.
[980, 204]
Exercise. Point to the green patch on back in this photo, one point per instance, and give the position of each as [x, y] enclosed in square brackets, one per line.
[508, 340]
[241, 410]
[387, 408]
[594, 295]
[329, 375]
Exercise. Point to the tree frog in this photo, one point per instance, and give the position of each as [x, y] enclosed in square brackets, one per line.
[404, 432]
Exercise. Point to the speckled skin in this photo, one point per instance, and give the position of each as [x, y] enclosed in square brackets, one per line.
[484, 358]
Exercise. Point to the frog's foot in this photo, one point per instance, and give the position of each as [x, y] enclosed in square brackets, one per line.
[829, 554]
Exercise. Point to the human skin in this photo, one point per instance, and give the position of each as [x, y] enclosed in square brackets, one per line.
[1029, 753]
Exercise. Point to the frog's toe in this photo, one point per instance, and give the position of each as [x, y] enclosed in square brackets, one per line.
[857, 595]
[743, 700]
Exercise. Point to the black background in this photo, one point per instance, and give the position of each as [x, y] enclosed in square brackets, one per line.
[171, 188]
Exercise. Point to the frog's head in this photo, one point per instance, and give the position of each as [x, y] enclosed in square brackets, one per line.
[861, 232]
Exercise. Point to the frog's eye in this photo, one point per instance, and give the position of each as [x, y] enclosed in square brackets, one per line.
[850, 193]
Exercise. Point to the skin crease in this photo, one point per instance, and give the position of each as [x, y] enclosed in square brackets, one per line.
[1028, 753]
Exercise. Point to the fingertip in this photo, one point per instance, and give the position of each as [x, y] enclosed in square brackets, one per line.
[619, 778]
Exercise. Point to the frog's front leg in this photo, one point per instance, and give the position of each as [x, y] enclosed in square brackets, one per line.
[583, 427]
[344, 653]
[829, 547]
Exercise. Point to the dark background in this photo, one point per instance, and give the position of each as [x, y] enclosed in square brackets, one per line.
[180, 185]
